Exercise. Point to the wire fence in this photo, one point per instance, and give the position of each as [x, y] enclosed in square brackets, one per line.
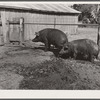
[91, 31]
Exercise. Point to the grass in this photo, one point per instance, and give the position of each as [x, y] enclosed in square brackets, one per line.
[89, 33]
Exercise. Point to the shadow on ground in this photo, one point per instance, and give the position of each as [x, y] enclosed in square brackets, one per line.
[54, 50]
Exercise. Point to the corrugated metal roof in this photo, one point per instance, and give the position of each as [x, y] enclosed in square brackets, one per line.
[41, 7]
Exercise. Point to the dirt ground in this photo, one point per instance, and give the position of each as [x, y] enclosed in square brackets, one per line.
[29, 67]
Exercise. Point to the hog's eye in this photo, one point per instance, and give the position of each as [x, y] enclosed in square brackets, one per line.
[37, 36]
[66, 48]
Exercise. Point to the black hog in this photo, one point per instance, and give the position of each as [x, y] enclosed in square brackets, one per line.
[50, 36]
[82, 49]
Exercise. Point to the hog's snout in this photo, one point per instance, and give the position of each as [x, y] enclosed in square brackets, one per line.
[63, 51]
[32, 40]
[35, 40]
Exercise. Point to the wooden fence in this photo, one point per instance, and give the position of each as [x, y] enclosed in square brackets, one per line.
[21, 24]
[6, 29]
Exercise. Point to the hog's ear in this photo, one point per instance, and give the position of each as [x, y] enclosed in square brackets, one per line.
[37, 33]
[66, 47]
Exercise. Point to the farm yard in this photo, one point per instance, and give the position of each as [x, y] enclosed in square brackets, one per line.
[25, 65]
[29, 67]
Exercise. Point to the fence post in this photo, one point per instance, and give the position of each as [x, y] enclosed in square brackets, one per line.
[5, 27]
[21, 30]
[98, 36]
[54, 23]
[8, 32]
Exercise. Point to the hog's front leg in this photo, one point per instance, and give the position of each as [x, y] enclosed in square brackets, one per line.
[46, 45]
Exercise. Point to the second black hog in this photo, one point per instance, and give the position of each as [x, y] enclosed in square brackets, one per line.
[52, 36]
[82, 49]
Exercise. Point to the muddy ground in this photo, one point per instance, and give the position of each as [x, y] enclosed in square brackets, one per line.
[29, 67]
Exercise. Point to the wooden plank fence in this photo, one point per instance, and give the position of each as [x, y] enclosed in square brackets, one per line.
[21, 24]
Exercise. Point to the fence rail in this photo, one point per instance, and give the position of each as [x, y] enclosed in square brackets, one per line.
[63, 24]
[55, 24]
[18, 22]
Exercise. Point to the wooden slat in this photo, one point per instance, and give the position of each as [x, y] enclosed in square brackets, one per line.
[4, 26]
[21, 30]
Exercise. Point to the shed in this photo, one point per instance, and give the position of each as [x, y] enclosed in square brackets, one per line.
[38, 16]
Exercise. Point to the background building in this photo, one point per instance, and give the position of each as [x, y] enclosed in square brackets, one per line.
[37, 17]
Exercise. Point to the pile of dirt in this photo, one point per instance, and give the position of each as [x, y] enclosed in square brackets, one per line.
[29, 68]
[61, 74]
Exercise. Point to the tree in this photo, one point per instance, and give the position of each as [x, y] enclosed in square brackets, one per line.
[92, 12]
[96, 13]
[87, 11]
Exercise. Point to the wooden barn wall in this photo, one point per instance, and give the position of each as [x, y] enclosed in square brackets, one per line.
[30, 29]
[69, 29]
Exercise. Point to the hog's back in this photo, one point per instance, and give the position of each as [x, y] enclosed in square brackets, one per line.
[54, 36]
[86, 46]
